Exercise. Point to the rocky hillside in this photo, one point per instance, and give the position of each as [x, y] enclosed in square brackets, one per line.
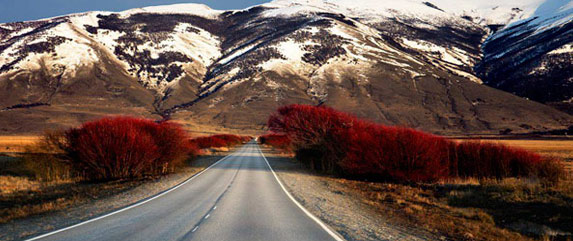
[407, 63]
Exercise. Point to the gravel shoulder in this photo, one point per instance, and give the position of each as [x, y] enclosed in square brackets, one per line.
[108, 197]
[346, 211]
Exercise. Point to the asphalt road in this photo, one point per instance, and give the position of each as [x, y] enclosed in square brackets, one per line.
[238, 198]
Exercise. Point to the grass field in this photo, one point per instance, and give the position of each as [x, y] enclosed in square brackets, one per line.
[558, 148]
[199, 129]
[562, 149]
[15, 144]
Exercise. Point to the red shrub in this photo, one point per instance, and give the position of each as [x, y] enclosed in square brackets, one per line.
[173, 146]
[475, 159]
[229, 140]
[330, 141]
[401, 154]
[276, 140]
[308, 125]
[222, 140]
[314, 133]
[125, 147]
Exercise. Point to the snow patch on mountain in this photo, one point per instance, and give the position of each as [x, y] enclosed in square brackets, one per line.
[200, 45]
[565, 49]
[552, 14]
[547, 15]
[65, 58]
[490, 12]
[448, 58]
[89, 18]
[484, 12]
[18, 32]
[440, 52]
[368, 10]
[292, 50]
[184, 8]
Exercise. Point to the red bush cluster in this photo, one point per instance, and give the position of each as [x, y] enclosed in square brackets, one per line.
[377, 152]
[330, 141]
[222, 140]
[476, 159]
[125, 147]
[276, 140]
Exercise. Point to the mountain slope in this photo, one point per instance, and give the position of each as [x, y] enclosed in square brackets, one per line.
[534, 57]
[406, 64]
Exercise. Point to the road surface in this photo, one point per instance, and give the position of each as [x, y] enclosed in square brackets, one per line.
[238, 198]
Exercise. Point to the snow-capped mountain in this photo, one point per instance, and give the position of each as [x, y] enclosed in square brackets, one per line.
[399, 62]
[534, 57]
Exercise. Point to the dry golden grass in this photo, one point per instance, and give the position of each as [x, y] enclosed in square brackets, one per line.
[200, 129]
[12, 184]
[16, 144]
[562, 149]
[36, 198]
[558, 148]
[469, 209]
[28, 210]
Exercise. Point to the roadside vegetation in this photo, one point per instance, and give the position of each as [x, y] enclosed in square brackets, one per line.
[462, 190]
[279, 141]
[110, 149]
[218, 141]
[333, 142]
[99, 158]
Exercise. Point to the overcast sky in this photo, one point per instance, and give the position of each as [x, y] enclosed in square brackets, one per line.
[22, 10]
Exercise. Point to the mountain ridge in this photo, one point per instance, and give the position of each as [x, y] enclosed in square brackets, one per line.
[217, 65]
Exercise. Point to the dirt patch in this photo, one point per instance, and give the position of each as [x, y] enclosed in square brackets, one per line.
[28, 210]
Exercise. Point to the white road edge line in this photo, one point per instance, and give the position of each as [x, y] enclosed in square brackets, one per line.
[332, 233]
[128, 207]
